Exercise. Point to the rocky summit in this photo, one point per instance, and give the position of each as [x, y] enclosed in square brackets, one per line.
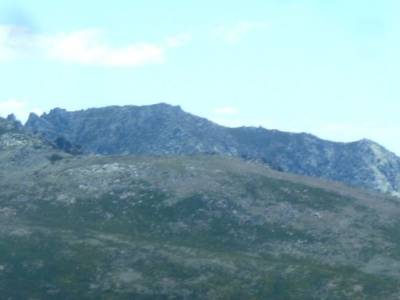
[163, 129]
[76, 226]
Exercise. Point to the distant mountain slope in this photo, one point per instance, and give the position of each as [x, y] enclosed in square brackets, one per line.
[18, 149]
[362, 164]
[197, 227]
[158, 129]
[163, 129]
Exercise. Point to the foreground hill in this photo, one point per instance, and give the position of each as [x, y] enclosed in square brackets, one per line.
[187, 227]
[163, 129]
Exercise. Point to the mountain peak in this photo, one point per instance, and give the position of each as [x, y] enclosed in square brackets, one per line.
[9, 124]
[164, 129]
[11, 118]
[374, 147]
[366, 142]
[166, 105]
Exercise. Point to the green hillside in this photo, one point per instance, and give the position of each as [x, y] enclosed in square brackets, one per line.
[199, 227]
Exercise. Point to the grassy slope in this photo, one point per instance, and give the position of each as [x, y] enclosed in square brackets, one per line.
[191, 228]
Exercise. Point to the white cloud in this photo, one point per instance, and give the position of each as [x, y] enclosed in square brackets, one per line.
[178, 40]
[6, 51]
[87, 46]
[235, 33]
[20, 109]
[15, 41]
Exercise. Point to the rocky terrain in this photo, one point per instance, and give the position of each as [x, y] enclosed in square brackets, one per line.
[194, 226]
[167, 130]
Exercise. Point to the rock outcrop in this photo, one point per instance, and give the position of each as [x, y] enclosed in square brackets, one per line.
[163, 129]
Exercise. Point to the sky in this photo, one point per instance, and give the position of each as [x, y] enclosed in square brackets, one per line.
[326, 67]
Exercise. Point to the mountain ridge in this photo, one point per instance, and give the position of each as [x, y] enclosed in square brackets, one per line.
[162, 129]
[185, 227]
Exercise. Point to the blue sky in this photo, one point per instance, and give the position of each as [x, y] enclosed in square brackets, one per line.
[330, 68]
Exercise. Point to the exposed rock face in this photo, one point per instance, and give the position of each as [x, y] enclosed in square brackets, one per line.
[163, 129]
[363, 163]
[13, 137]
[19, 149]
[10, 124]
[158, 129]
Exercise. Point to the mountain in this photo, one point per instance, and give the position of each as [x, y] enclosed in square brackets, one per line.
[157, 129]
[363, 164]
[167, 130]
[185, 227]
[19, 149]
